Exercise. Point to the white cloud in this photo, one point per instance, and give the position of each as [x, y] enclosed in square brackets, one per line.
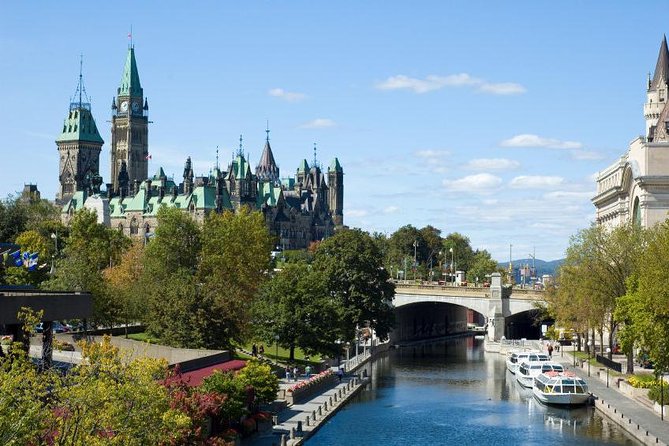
[286, 95]
[569, 195]
[318, 123]
[481, 183]
[587, 155]
[435, 159]
[434, 82]
[390, 209]
[357, 213]
[492, 163]
[529, 140]
[535, 181]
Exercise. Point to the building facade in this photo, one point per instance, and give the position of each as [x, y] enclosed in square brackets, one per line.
[298, 210]
[636, 187]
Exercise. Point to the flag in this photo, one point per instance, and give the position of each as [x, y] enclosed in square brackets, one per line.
[147, 157]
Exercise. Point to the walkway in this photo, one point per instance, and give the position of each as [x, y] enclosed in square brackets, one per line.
[623, 409]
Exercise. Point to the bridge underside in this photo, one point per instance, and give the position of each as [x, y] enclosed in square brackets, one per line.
[427, 320]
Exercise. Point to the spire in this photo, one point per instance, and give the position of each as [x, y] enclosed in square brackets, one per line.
[79, 124]
[130, 85]
[661, 75]
[267, 170]
[240, 152]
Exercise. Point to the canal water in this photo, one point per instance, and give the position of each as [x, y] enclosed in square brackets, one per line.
[453, 393]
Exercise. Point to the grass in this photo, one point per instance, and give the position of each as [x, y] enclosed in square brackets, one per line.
[281, 355]
[144, 337]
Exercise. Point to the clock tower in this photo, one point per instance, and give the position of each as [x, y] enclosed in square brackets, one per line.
[129, 129]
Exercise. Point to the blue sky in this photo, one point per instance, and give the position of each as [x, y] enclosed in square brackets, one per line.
[486, 118]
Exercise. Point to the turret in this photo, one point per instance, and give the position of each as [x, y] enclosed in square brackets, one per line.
[336, 192]
[656, 95]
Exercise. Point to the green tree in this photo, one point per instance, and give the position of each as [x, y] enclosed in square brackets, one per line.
[481, 266]
[124, 284]
[462, 255]
[295, 306]
[354, 273]
[259, 376]
[234, 263]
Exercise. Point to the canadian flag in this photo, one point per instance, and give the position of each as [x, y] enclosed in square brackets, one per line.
[147, 157]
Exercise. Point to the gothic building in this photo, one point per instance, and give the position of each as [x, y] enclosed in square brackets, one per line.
[636, 187]
[297, 210]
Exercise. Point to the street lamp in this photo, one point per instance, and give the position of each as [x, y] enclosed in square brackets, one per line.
[589, 346]
[608, 350]
[452, 265]
[573, 350]
[338, 342]
[54, 236]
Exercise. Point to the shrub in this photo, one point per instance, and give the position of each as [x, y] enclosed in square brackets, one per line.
[654, 393]
[643, 381]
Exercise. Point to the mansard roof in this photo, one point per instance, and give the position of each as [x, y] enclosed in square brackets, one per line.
[661, 75]
[130, 85]
[80, 126]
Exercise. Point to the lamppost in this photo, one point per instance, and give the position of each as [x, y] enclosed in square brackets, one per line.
[276, 347]
[348, 347]
[573, 351]
[338, 342]
[608, 350]
[589, 347]
[54, 236]
[415, 263]
[452, 265]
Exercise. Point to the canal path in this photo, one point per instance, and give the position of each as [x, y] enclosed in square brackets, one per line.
[453, 393]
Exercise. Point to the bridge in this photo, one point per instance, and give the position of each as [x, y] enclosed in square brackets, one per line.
[421, 312]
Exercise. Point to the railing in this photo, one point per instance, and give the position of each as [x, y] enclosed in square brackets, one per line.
[618, 367]
[519, 293]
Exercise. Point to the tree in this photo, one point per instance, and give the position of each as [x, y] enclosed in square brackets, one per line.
[594, 276]
[295, 306]
[481, 266]
[354, 274]
[463, 254]
[644, 310]
[235, 259]
[91, 247]
[259, 376]
[124, 284]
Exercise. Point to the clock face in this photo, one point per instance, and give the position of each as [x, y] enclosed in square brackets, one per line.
[135, 106]
[124, 106]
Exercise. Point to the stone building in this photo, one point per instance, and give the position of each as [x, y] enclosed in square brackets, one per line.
[636, 187]
[298, 210]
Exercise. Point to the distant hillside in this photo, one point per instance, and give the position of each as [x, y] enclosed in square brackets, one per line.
[542, 266]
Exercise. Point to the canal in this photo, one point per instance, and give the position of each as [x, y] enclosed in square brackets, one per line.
[454, 393]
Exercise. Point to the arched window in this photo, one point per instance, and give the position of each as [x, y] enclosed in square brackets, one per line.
[636, 213]
[134, 227]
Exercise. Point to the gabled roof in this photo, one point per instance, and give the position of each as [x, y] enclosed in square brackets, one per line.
[661, 75]
[80, 126]
[130, 85]
[239, 167]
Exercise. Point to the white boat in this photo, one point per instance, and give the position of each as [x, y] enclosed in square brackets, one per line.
[515, 358]
[565, 389]
[528, 370]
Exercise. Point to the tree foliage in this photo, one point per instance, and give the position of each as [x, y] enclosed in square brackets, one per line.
[355, 275]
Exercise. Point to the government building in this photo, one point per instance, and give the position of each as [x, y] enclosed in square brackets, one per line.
[297, 210]
[636, 187]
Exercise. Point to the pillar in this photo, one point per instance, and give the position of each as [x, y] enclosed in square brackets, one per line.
[495, 315]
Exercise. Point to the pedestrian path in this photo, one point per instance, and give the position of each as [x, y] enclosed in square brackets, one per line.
[305, 418]
[623, 409]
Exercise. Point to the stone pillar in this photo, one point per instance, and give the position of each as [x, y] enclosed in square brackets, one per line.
[313, 415]
[292, 433]
[495, 315]
[306, 422]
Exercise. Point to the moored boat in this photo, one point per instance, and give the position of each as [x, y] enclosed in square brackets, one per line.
[515, 358]
[528, 370]
[565, 389]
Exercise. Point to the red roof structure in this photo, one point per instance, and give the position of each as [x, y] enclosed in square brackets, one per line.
[195, 377]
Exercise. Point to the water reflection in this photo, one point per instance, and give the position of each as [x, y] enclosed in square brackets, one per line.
[455, 393]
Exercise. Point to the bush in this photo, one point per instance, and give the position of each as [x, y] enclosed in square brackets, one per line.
[644, 381]
[654, 393]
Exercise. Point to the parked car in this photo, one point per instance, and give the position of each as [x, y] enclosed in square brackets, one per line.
[56, 327]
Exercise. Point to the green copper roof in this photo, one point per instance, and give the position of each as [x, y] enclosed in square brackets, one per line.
[80, 126]
[334, 165]
[75, 203]
[130, 85]
[240, 167]
[159, 174]
[303, 167]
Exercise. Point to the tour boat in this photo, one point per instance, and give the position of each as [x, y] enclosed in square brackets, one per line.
[515, 358]
[528, 370]
[565, 389]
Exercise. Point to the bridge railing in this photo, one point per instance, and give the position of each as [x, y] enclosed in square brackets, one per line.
[519, 293]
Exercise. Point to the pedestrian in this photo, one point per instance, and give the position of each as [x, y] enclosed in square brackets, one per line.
[254, 351]
[261, 350]
[296, 373]
[340, 373]
[287, 373]
[307, 371]
[550, 350]
[557, 347]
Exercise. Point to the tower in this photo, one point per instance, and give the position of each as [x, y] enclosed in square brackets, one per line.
[336, 192]
[267, 170]
[240, 182]
[130, 131]
[79, 145]
[656, 95]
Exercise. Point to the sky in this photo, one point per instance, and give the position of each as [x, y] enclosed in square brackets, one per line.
[490, 119]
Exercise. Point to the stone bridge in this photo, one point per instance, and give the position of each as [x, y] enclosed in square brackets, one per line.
[418, 316]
